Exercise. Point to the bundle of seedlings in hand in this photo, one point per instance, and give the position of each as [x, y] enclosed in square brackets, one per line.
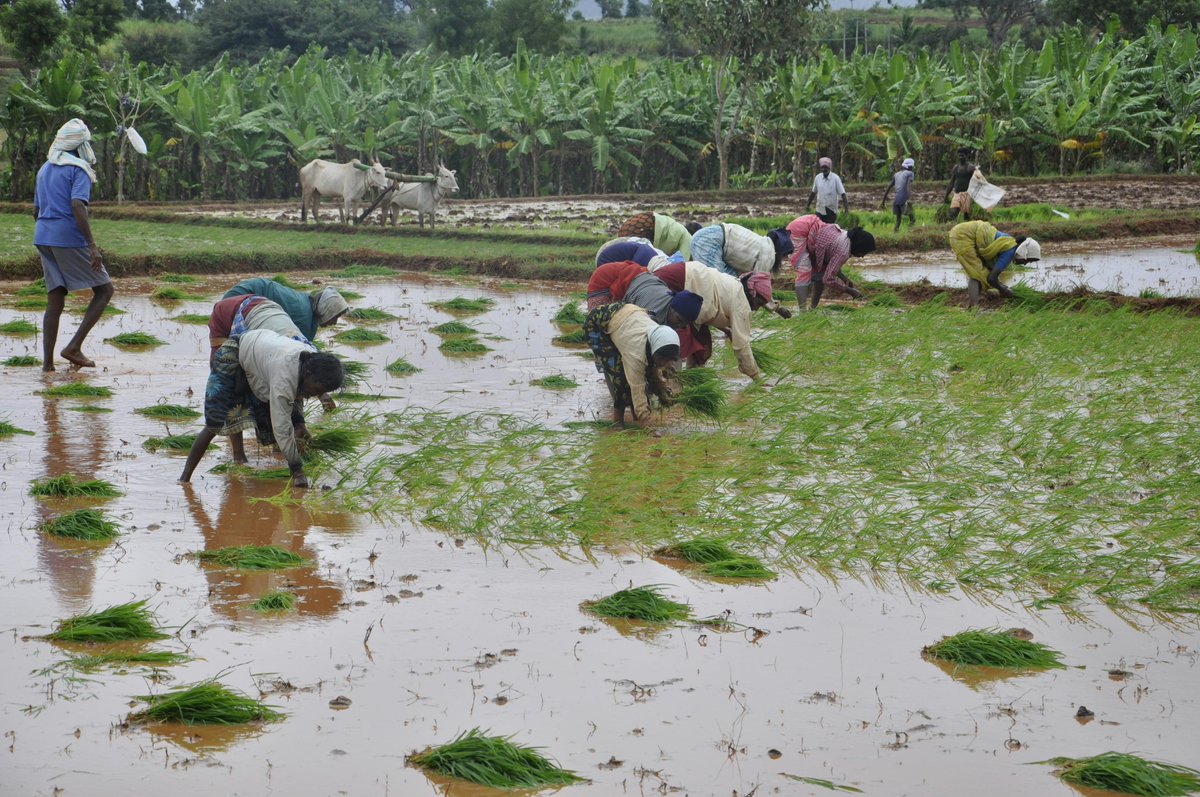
[574, 338]
[401, 366]
[452, 328]
[993, 648]
[717, 559]
[463, 346]
[570, 314]
[767, 361]
[369, 315]
[205, 703]
[67, 486]
[251, 557]
[82, 524]
[134, 340]
[354, 372]
[8, 430]
[18, 327]
[1128, 774]
[115, 624]
[77, 390]
[555, 382]
[360, 336]
[22, 361]
[198, 319]
[168, 412]
[639, 603]
[275, 602]
[342, 438]
[173, 442]
[703, 392]
[1027, 298]
[493, 761]
[463, 305]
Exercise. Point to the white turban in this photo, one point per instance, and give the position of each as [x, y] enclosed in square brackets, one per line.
[662, 336]
[908, 163]
[73, 136]
[330, 305]
[1029, 249]
[657, 262]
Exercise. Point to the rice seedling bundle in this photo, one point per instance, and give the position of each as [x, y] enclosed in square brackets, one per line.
[354, 371]
[1128, 774]
[573, 338]
[737, 567]
[369, 314]
[196, 319]
[401, 366]
[463, 346]
[82, 524]
[349, 395]
[639, 603]
[570, 314]
[343, 438]
[135, 339]
[205, 703]
[349, 295]
[35, 303]
[89, 408]
[768, 362]
[454, 328]
[35, 288]
[177, 279]
[109, 309]
[168, 412]
[461, 304]
[252, 557]
[166, 293]
[703, 392]
[114, 624]
[360, 335]
[67, 486]
[1027, 298]
[351, 272]
[991, 648]
[77, 390]
[8, 430]
[275, 602]
[555, 382]
[18, 327]
[717, 559]
[22, 361]
[493, 761]
[155, 658]
[886, 299]
[174, 442]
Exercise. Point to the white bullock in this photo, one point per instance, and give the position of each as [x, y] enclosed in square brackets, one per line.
[423, 197]
[349, 181]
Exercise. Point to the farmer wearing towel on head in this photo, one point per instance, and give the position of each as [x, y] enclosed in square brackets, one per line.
[636, 250]
[629, 282]
[828, 191]
[308, 311]
[259, 380]
[63, 236]
[820, 252]
[902, 181]
[735, 250]
[984, 252]
[630, 350]
[663, 232]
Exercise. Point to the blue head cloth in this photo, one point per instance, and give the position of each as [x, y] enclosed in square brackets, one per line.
[687, 304]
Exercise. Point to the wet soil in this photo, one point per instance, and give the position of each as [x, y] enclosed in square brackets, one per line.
[429, 635]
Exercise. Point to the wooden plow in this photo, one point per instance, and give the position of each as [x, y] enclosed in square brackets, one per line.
[396, 177]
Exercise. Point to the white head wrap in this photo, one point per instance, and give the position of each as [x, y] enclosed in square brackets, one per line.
[657, 262]
[662, 336]
[1029, 249]
[908, 163]
[73, 136]
[330, 304]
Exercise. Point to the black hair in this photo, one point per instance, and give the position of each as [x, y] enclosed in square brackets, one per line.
[861, 242]
[1020, 239]
[693, 227]
[964, 150]
[323, 368]
[670, 351]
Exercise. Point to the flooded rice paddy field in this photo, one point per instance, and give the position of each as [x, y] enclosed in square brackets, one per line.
[429, 632]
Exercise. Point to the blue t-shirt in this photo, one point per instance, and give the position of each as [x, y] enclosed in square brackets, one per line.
[903, 182]
[56, 187]
[627, 250]
[1006, 256]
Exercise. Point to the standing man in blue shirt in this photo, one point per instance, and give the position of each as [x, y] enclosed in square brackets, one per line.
[70, 258]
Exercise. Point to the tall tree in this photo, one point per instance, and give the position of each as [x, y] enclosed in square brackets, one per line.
[539, 23]
[32, 27]
[609, 9]
[454, 27]
[745, 40]
[1133, 14]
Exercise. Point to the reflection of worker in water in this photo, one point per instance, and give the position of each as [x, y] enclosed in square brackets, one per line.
[242, 521]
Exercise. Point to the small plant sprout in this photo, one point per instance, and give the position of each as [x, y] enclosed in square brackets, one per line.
[993, 648]
[135, 340]
[82, 524]
[1128, 774]
[127, 621]
[463, 346]
[493, 761]
[401, 367]
[464, 306]
[454, 328]
[555, 382]
[360, 336]
[639, 603]
[67, 486]
[252, 557]
[205, 703]
[275, 602]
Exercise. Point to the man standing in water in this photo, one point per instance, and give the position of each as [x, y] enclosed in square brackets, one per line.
[827, 190]
[960, 181]
[63, 237]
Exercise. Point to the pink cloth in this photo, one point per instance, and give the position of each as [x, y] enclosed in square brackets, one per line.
[801, 231]
[829, 249]
[760, 284]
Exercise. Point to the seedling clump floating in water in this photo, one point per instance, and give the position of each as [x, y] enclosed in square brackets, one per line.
[639, 603]
[401, 366]
[717, 559]
[22, 361]
[174, 442]
[67, 486]
[8, 430]
[463, 346]
[168, 293]
[18, 327]
[570, 314]
[77, 390]
[135, 340]
[89, 408]
[119, 658]
[369, 315]
[460, 304]
[252, 557]
[205, 703]
[360, 335]
[82, 524]
[555, 382]
[575, 338]
[115, 624]
[168, 412]
[196, 319]
[275, 602]
[454, 328]
[493, 761]
[991, 648]
[1128, 774]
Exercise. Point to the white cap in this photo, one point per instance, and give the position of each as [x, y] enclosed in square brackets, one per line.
[908, 163]
[1029, 249]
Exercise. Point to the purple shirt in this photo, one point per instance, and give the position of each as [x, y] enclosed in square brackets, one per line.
[56, 187]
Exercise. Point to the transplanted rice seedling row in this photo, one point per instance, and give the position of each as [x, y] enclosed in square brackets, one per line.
[493, 761]
[125, 622]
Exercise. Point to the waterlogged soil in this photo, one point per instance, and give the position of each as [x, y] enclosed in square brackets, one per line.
[427, 635]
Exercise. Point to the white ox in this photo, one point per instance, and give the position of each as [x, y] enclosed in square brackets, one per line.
[423, 197]
[349, 181]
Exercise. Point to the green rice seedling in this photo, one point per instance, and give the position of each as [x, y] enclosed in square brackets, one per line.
[360, 336]
[344, 438]
[349, 295]
[1149, 293]
[1027, 298]
[115, 624]
[109, 309]
[992, 648]
[555, 382]
[8, 430]
[89, 408]
[251, 557]
[355, 372]
[824, 783]
[703, 392]
[401, 367]
[461, 304]
[493, 761]
[30, 303]
[275, 602]
[67, 486]
[82, 524]
[570, 314]
[353, 272]
[885, 299]
[737, 567]
[35, 288]
[451, 328]
[639, 603]
[463, 346]
[205, 703]
[173, 442]
[349, 395]
[18, 327]
[166, 293]
[369, 314]
[77, 390]
[768, 362]
[168, 412]
[283, 280]
[135, 340]
[22, 361]
[195, 319]
[1178, 592]
[1128, 774]
[699, 550]
[178, 279]
[573, 338]
[118, 658]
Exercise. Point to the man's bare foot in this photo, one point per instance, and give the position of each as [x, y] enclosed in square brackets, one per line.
[76, 358]
[47, 367]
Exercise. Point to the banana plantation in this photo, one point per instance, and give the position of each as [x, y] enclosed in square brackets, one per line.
[539, 125]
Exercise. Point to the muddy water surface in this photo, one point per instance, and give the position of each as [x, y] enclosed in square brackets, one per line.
[428, 635]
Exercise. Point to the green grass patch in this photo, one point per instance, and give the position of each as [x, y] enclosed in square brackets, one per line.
[195, 319]
[461, 304]
[173, 442]
[251, 557]
[8, 430]
[354, 272]
[67, 486]
[493, 761]
[205, 703]
[370, 315]
[451, 328]
[275, 602]
[29, 303]
[570, 313]
[358, 335]
[82, 524]
[22, 361]
[990, 648]
[1128, 774]
[572, 338]
[178, 279]
[119, 658]
[886, 299]
[89, 408]
[77, 390]
[702, 392]
[555, 382]
[401, 366]
[125, 622]
[35, 288]
[283, 280]
[168, 412]
[135, 340]
[1027, 297]
[639, 603]
[463, 346]
[18, 327]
